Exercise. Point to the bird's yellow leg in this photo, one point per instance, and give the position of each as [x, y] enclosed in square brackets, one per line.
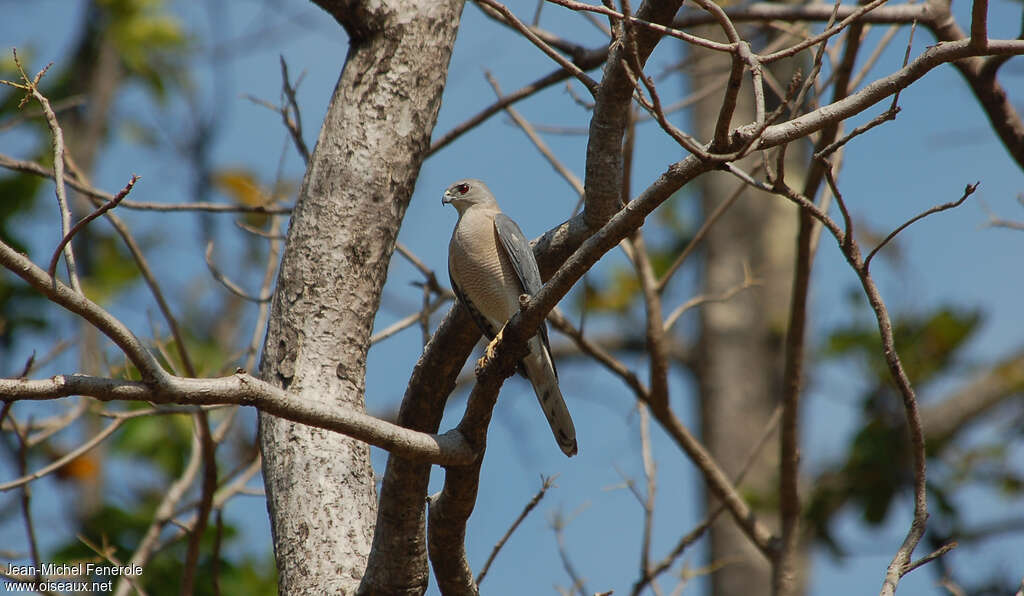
[489, 353]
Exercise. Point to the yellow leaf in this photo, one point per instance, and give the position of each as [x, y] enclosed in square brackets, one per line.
[242, 186]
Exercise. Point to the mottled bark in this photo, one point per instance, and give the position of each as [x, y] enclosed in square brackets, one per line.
[320, 486]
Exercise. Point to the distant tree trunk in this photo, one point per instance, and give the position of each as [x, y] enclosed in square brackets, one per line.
[740, 350]
[320, 486]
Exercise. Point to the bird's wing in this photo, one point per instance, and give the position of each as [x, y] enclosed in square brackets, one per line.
[517, 249]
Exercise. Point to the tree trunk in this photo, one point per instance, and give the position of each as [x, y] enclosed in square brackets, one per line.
[320, 486]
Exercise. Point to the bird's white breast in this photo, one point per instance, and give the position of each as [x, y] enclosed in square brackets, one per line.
[480, 267]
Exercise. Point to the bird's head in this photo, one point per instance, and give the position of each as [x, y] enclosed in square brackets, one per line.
[467, 193]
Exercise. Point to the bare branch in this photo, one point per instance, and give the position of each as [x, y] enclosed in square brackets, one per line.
[748, 282]
[208, 484]
[873, 93]
[79, 304]
[68, 457]
[599, 354]
[558, 524]
[32, 167]
[446, 528]
[692, 536]
[882, 118]
[662, 29]
[294, 126]
[968, 191]
[852, 253]
[784, 568]
[824, 35]
[593, 59]
[538, 142]
[705, 226]
[945, 548]
[650, 475]
[108, 555]
[947, 416]
[546, 483]
[409, 320]
[654, 328]
[427, 272]
[57, 134]
[164, 513]
[979, 24]
[603, 175]
[227, 283]
[51, 270]
[509, 16]
[242, 389]
[26, 499]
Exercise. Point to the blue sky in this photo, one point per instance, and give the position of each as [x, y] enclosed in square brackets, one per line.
[939, 143]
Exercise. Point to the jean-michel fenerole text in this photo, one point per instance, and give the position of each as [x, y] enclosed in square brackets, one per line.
[72, 570]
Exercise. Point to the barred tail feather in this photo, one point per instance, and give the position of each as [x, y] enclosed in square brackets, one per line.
[541, 373]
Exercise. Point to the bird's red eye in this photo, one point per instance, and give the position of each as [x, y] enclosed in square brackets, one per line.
[462, 188]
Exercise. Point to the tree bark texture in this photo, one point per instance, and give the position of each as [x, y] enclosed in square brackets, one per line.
[739, 357]
[361, 175]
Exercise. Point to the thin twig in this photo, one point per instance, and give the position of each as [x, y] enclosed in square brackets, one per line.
[258, 232]
[882, 118]
[227, 283]
[558, 524]
[538, 142]
[208, 484]
[70, 456]
[562, 324]
[107, 553]
[798, 103]
[824, 35]
[88, 218]
[650, 475]
[695, 534]
[876, 53]
[427, 272]
[705, 227]
[748, 282]
[588, 82]
[945, 548]
[294, 127]
[906, 58]
[409, 320]
[546, 483]
[654, 108]
[851, 251]
[32, 167]
[57, 134]
[968, 191]
[26, 500]
[164, 513]
[62, 105]
[607, 11]
[540, 84]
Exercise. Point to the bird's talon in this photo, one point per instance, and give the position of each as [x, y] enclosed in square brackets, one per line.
[489, 353]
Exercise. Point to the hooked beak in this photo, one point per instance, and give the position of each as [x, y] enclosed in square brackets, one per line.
[446, 198]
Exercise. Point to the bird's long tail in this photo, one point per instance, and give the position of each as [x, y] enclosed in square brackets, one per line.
[541, 373]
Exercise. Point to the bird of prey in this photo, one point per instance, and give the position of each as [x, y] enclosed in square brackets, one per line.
[491, 264]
